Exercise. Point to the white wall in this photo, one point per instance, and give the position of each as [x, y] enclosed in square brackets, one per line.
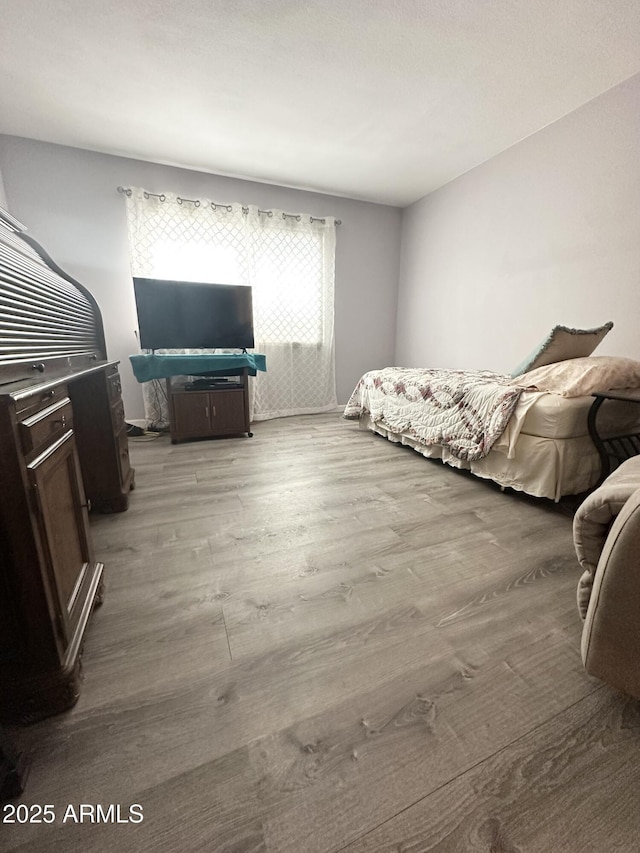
[3, 196]
[69, 201]
[547, 232]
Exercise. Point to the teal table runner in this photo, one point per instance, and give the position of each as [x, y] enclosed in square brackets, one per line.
[147, 367]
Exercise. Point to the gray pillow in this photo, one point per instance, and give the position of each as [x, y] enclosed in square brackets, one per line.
[561, 344]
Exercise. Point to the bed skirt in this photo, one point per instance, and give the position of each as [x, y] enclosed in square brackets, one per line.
[542, 467]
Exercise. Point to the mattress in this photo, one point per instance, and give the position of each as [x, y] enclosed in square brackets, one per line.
[552, 416]
[546, 416]
[546, 449]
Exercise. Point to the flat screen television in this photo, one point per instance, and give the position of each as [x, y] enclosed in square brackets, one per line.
[189, 315]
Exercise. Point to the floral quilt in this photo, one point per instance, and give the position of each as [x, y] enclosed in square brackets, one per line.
[466, 410]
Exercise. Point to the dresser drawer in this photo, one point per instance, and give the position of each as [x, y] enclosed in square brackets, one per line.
[114, 386]
[117, 416]
[45, 425]
[35, 402]
[122, 444]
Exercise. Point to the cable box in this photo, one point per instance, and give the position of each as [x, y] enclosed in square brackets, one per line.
[211, 385]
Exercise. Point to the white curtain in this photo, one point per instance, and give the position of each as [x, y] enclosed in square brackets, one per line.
[289, 261]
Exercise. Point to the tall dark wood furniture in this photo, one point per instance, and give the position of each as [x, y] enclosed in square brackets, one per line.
[63, 450]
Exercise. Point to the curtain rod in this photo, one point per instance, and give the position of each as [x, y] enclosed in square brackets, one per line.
[196, 203]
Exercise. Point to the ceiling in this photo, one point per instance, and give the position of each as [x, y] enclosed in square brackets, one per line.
[381, 100]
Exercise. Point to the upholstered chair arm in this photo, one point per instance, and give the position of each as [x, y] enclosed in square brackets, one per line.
[611, 633]
[593, 520]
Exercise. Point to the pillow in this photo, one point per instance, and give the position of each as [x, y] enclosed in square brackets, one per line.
[563, 343]
[576, 377]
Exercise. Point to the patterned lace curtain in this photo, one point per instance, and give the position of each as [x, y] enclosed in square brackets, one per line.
[288, 260]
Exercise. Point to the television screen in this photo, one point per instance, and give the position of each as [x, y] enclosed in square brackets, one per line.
[188, 315]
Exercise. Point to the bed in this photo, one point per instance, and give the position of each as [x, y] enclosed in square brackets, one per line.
[527, 432]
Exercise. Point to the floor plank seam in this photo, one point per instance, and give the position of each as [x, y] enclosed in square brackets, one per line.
[226, 631]
[470, 769]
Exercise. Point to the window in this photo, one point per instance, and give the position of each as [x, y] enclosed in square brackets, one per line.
[287, 259]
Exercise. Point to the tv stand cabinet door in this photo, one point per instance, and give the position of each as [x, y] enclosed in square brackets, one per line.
[228, 412]
[190, 415]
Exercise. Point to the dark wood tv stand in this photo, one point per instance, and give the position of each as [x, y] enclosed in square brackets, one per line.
[215, 410]
[212, 411]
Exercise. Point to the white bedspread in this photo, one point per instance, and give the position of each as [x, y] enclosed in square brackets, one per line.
[465, 411]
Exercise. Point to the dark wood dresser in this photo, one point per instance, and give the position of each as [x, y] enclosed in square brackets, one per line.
[63, 452]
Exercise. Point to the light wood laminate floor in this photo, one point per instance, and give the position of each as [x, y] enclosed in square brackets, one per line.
[314, 640]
